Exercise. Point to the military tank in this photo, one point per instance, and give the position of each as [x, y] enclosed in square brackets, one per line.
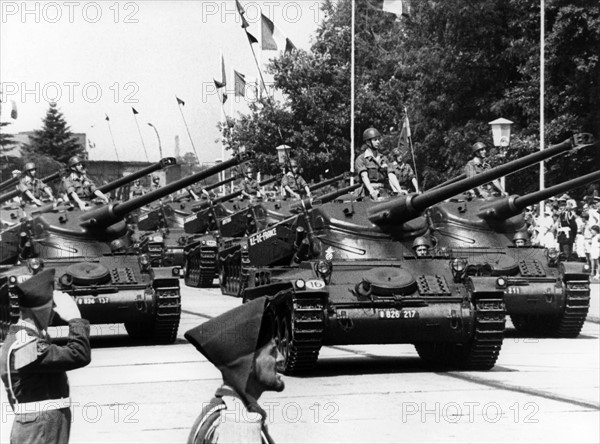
[543, 294]
[92, 253]
[355, 279]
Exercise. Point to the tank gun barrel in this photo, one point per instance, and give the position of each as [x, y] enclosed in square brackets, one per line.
[308, 202]
[326, 182]
[404, 208]
[221, 183]
[14, 193]
[112, 213]
[13, 181]
[162, 163]
[207, 204]
[512, 205]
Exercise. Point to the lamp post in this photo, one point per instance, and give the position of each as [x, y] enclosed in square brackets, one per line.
[158, 137]
[501, 137]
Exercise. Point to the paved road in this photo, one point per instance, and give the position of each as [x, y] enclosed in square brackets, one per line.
[541, 390]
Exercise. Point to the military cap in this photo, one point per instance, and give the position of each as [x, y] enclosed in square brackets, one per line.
[37, 290]
[230, 340]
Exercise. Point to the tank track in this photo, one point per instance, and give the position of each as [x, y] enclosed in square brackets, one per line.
[163, 328]
[300, 333]
[200, 268]
[482, 351]
[234, 274]
[569, 324]
[9, 312]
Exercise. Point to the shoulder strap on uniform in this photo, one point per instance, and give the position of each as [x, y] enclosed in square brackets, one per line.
[220, 406]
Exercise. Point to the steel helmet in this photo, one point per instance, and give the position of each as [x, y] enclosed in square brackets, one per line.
[477, 146]
[421, 241]
[370, 133]
[520, 235]
[74, 161]
[29, 166]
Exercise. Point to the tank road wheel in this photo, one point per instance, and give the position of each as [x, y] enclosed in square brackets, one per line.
[300, 333]
[569, 323]
[163, 328]
[482, 350]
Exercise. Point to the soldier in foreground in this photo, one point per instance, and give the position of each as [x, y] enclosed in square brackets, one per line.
[240, 344]
[33, 369]
[79, 186]
[31, 187]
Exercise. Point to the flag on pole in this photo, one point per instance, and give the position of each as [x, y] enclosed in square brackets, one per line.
[106, 118]
[134, 111]
[251, 38]
[272, 38]
[179, 101]
[239, 83]
[240, 9]
[13, 112]
[223, 82]
[396, 7]
[403, 141]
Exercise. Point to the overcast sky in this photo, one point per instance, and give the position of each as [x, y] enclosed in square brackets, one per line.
[104, 57]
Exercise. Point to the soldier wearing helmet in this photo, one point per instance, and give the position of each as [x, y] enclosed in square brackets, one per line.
[421, 246]
[136, 190]
[372, 167]
[520, 239]
[250, 186]
[478, 165]
[31, 187]
[404, 172]
[293, 184]
[78, 186]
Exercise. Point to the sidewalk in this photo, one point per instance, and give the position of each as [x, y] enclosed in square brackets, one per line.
[594, 313]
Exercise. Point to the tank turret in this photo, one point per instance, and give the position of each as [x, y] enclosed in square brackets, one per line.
[403, 209]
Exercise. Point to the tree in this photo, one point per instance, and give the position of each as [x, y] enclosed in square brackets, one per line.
[6, 140]
[54, 141]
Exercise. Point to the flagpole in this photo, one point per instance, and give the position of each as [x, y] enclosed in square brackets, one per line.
[188, 130]
[352, 67]
[114, 145]
[542, 117]
[141, 138]
[158, 137]
[410, 144]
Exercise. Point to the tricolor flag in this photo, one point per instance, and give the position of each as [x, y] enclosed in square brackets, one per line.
[272, 38]
[239, 83]
[13, 111]
[397, 7]
[405, 134]
[179, 101]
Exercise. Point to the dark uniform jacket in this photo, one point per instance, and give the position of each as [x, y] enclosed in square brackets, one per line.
[81, 184]
[250, 186]
[405, 175]
[472, 169]
[566, 220]
[35, 185]
[376, 167]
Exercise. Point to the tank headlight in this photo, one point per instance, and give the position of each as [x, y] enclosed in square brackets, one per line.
[12, 280]
[458, 265]
[35, 264]
[552, 253]
[323, 268]
[501, 283]
[300, 284]
[157, 239]
[176, 271]
[586, 268]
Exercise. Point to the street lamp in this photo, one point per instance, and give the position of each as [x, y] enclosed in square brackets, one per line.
[158, 137]
[501, 136]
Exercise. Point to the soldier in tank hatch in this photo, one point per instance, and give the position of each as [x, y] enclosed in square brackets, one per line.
[478, 165]
[31, 187]
[293, 184]
[78, 186]
[33, 369]
[240, 344]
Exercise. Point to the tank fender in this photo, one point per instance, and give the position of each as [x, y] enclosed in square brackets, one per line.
[166, 276]
[486, 287]
[574, 270]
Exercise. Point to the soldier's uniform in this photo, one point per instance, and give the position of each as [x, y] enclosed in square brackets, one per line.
[35, 185]
[250, 186]
[473, 168]
[137, 190]
[376, 168]
[405, 175]
[81, 184]
[33, 370]
[297, 184]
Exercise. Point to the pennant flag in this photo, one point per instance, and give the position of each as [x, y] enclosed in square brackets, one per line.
[251, 38]
[106, 118]
[179, 101]
[13, 112]
[240, 9]
[396, 7]
[240, 83]
[272, 38]
[223, 82]
[134, 110]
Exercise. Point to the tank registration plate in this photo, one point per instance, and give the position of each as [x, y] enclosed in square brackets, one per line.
[398, 314]
[92, 301]
[262, 236]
